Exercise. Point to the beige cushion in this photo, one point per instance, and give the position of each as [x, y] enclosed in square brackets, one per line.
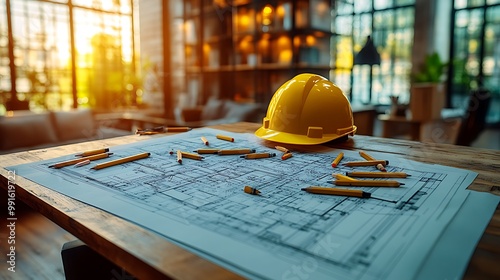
[213, 109]
[26, 130]
[240, 111]
[75, 124]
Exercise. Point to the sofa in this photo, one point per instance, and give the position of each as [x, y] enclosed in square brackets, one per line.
[23, 130]
[219, 111]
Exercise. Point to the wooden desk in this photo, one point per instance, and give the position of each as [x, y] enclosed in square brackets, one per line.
[397, 125]
[440, 131]
[148, 256]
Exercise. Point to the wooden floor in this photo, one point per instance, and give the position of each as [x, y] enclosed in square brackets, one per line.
[38, 245]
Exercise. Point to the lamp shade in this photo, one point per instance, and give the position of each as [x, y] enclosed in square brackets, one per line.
[368, 55]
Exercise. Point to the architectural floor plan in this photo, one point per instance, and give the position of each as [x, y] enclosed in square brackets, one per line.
[283, 233]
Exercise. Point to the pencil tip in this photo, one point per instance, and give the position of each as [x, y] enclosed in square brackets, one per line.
[303, 189]
[401, 183]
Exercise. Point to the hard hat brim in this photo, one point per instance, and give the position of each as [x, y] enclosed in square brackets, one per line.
[289, 138]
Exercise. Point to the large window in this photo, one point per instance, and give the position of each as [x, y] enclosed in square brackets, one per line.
[390, 25]
[476, 52]
[67, 53]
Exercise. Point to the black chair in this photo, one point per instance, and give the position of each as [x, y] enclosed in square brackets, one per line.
[80, 262]
[474, 119]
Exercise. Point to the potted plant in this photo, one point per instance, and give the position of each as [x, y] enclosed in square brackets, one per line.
[427, 90]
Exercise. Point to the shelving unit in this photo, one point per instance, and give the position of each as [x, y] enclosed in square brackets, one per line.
[244, 50]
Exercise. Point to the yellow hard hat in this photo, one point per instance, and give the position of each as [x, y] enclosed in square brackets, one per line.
[307, 110]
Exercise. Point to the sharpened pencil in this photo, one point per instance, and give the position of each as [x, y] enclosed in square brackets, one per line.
[377, 174]
[77, 160]
[368, 183]
[366, 163]
[120, 161]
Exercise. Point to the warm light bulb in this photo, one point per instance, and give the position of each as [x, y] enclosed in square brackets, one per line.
[310, 40]
[280, 11]
[267, 15]
[268, 9]
[244, 21]
[206, 48]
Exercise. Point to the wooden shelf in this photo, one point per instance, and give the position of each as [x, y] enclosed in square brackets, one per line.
[246, 53]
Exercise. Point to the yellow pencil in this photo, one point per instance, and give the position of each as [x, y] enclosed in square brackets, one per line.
[368, 183]
[92, 152]
[82, 163]
[77, 160]
[120, 161]
[177, 129]
[191, 156]
[368, 157]
[343, 177]
[205, 141]
[336, 191]
[258, 155]
[225, 138]
[236, 151]
[337, 159]
[282, 149]
[286, 156]
[378, 174]
[148, 132]
[207, 151]
[179, 156]
[251, 190]
[343, 192]
[366, 163]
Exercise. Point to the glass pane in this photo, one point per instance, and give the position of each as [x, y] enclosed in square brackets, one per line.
[462, 18]
[491, 2]
[475, 19]
[344, 57]
[42, 52]
[383, 20]
[492, 83]
[322, 18]
[382, 4]
[106, 5]
[104, 56]
[5, 85]
[493, 14]
[362, 6]
[475, 3]
[460, 4]
[343, 8]
[343, 25]
[342, 78]
[405, 17]
[404, 2]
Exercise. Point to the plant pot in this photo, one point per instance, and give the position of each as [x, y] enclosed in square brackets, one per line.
[426, 101]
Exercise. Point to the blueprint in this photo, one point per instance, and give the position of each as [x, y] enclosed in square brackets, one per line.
[283, 233]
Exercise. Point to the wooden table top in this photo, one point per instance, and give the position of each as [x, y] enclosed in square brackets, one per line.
[149, 256]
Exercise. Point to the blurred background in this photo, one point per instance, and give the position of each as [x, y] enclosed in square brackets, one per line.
[163, 58]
